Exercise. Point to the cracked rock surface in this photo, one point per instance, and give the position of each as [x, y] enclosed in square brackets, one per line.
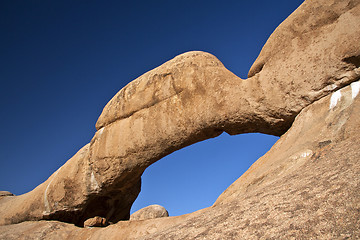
[303, 87]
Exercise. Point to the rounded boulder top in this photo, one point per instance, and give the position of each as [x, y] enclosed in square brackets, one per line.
[150, 212]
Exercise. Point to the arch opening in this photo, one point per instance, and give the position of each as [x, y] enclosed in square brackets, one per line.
[193, 178]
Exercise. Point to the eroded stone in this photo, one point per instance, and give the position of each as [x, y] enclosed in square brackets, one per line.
[96, 222]
[193, 97]
[150, 212]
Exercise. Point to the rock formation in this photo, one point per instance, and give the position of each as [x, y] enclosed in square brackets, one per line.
[306, 186]
[96, 222]
[5, 193]
[150, 212]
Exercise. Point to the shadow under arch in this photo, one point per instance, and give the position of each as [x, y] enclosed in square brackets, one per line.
[193, 177]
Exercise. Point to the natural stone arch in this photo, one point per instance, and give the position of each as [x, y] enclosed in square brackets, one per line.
[193, 177]
[191, 98]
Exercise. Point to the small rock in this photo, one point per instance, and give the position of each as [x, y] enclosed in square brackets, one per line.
[152, 211]
[96, 222]
[5, 193]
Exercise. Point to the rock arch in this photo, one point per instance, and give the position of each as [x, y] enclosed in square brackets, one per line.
[191, 98]
[192, 178]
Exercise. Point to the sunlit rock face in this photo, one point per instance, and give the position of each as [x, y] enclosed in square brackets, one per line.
[303, 87]
[149, 212]
[5, 193]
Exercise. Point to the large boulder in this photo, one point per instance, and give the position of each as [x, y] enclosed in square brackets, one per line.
[150, 212]
[311, 55]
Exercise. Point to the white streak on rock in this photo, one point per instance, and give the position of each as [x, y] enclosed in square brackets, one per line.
[306, 153]
[330, 87]
[355, 88]
[335, 98]
[101, 130]
[301, 155]
[94, 184]
[46, 201]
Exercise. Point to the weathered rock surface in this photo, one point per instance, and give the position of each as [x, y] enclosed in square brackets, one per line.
[64, 191]
[306, 186]
[96, 222]
[150, 212]
[5, 194]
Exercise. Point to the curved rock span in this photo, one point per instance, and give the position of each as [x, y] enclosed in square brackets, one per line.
[307, 70]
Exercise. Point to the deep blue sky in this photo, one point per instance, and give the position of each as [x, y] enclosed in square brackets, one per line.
[62, 61]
